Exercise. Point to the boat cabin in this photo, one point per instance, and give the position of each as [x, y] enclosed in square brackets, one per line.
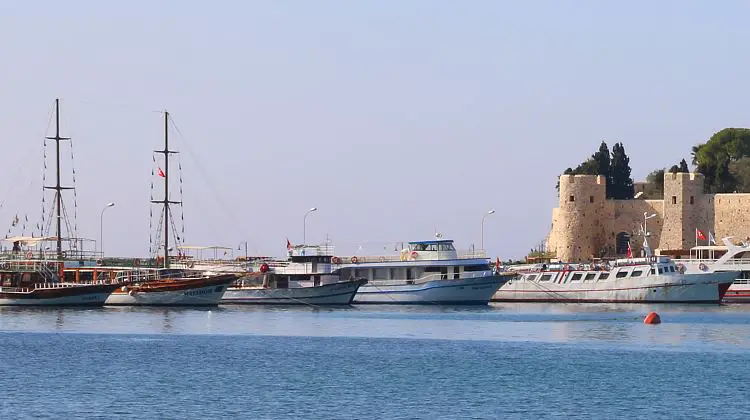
[588, 273]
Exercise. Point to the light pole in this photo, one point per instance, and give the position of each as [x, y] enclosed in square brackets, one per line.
[492, 211]
[646, 216]
[304, 225]
[239, 248]
[101, 228]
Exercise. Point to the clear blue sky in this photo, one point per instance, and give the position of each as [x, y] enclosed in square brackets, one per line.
[392, 117]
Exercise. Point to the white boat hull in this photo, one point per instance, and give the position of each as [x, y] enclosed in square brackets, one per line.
[203, 296]
[473, 291]
[701, 288]
[340, 293]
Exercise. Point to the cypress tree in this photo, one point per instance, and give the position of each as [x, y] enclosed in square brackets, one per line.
[622, 183]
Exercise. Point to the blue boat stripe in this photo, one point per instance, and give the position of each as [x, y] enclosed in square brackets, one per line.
[361, 291]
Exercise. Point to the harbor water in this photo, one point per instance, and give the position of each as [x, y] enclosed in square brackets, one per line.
[391, 362]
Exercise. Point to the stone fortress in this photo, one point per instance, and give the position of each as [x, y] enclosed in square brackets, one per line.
[586, 225]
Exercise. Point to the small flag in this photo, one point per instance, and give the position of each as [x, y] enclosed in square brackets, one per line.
[700, 235]
[160, 173]
[711, 239]
[288, 244]
[630, 251]
[497, 263]
[15, 221]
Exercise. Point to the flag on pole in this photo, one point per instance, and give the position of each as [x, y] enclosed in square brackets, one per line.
[160, 173]
[630, 251]
[288, 245]
[497, 264]
[700, 235]
[711, 238]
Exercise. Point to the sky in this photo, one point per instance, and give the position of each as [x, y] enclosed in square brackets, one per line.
[396, 119]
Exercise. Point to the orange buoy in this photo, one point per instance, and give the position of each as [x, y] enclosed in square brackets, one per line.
[652, 318]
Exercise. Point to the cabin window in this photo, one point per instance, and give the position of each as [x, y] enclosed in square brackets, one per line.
[590, 276]
[531, 277]
[409, 275]
[603, 276]
[572, 199]
[545, 277]
[380, 274]
[576, 277]
[671, 268]
[361, 274]
[674, 199]
[692, 199]
[456, 273]
[653, 271]
[591, 199]
[447, 247]
[621, 274]
[636, 273]
[661, 270]
[476, 268]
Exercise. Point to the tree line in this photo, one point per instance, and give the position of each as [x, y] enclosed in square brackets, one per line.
[724, 160]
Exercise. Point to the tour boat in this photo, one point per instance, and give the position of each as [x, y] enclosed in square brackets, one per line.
[36, 282]
[306, 278]
[727, 258]
[425, 272]
[648, 279]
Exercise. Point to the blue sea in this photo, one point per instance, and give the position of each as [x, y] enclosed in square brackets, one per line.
[381, 362]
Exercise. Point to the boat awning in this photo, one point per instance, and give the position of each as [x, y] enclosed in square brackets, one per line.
[201, 248]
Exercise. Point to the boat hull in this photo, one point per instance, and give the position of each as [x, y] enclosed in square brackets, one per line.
[695, 288]
[206, 291]
[76, 295]
[467, 291]
[738, 293]
[340, 293]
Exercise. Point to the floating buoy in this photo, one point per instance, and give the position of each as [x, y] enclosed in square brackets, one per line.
[652, 318]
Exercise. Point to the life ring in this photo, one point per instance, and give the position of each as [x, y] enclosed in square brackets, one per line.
[414, 255]
[99, 262]
[6, 265]
[191, 264]
[354, 260]
[703, 267]
[264, 268]
[136, 262]
[29, 255]
[336, 260]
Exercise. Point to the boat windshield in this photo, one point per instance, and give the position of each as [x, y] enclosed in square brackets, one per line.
[438, 246]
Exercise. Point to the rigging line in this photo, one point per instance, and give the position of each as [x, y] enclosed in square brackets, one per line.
[211, 186]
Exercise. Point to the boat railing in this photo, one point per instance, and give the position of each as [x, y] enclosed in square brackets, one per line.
[461, 255]
[431, 277]
[730, 262]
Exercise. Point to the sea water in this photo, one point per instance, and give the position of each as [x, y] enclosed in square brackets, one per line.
[390, 362]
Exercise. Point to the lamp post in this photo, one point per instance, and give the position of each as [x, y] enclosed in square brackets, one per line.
[647, 247]
[239, 248]
[101, 228]
[492, 211]
[304, 225]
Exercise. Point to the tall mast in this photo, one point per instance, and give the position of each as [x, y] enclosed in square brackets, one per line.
[58, 188]
[165, 202]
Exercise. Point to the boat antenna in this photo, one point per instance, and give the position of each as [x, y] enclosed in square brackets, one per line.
[165, 174]
[58, 188]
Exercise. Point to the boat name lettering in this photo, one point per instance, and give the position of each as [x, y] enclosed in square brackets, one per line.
[198, 292]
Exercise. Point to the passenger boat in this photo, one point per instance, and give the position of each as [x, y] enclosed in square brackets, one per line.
[306, 278]
[156, 286]
[729, 257]
[425, 272]
[648, 279]
[26, 281]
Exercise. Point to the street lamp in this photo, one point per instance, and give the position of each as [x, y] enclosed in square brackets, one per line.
[239, 248]
[646, 234]
[492, 211]
[304, 225]
[101, 227]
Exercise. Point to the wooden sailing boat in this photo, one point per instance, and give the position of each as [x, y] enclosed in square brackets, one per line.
[28, 279]
[164, 285]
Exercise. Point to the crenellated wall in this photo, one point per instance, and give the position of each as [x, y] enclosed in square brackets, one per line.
[586, 224]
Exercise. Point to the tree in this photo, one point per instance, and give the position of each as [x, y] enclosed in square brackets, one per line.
[684, 167]
[713, 158]
[622, 183]
[740, 171]
[597, 164]
[654, 189]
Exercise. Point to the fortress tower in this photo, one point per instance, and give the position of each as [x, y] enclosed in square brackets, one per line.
[686, 208]
[578, 228]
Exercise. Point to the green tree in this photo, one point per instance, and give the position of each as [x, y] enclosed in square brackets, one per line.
[684, 166]
[622, 183]
[654, 189]
[740, 171]
[713, 158]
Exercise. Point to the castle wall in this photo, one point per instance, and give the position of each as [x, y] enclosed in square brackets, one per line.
[586, 224]
[732, 215]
